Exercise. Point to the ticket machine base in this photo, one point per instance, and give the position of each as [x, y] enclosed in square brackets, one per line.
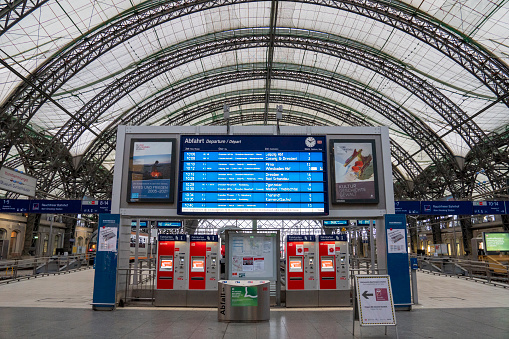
[301, 298]
[170, 298]
[202, 298]
[334, 298]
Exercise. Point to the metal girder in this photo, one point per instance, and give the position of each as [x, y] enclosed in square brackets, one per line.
[270, 55]
[373, 100]
[21, 106]
[13, 11]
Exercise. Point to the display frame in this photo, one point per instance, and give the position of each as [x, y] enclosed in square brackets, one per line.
[172, 170]
[486, 250]
[232, 212]
[333, 171]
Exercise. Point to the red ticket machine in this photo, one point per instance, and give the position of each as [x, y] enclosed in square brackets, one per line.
[301, 280]
[171, 283]
[334, 288]
[204, 259]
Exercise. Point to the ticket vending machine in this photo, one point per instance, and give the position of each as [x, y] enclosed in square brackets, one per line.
[204, 257]
[172, 264]
[334, 280]
[301, 268]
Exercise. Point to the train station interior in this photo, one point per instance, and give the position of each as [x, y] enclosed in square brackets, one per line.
[254, 169]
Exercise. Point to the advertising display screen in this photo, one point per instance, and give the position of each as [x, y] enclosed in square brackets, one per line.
[355, 171]
[263, 174]
[496, 242]
[327, 264]
[151, 170]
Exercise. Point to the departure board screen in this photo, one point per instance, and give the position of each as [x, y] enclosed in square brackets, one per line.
[252, 175]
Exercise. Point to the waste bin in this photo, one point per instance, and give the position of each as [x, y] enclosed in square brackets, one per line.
[243, 300]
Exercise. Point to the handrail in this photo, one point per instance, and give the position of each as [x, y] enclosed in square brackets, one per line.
[19, 269]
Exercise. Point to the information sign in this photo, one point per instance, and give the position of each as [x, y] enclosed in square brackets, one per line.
[446, 207]
[335, 223]
[252, 256]
[169, 224]
[14, 205]
[489, 207]
[407, 207]
[15, 181]
[143, 223]
[496, 242]
[95, 206]
[365, 222]
[261, 175]
[374, 300]
[55, 206]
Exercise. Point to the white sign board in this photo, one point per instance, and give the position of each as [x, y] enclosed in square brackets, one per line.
[374, 300]
[107, 239]
[396, 241]
[14, 181]
[252, 256]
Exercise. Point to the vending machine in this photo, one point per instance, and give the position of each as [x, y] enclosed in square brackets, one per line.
[301, 268]
[334, 279]
[204, 257]
[172, 264]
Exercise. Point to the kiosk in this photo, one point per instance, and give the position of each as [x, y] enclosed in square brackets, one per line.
[301, 264]
[172, 263]
[203, 270]
[334, 289]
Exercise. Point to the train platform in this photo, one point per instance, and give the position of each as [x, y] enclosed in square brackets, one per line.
[59, 307]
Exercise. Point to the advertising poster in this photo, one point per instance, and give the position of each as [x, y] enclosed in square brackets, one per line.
[151, 170]
[355, 171]
[244, 296]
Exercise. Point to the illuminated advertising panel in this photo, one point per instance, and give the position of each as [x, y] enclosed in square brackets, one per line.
[265, 174]
[151, 170]
[355, 171]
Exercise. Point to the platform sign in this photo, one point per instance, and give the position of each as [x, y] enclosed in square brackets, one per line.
[15, 181]
[375, 305]
[489, 207]
[446, 207]
[169, 224]
[55, 206]
[365, 222]
[335, 223]
[95, 206]
[143, 223]
[255, 175]
[14, 205]
[407, 207]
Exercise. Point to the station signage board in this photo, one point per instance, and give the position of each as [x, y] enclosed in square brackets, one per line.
[14, 205]
[95, 206]
[55, 206]
[335, 223]
[407, 207]
[446, 207]
[15, 181]
[168, 224]
[489, 207]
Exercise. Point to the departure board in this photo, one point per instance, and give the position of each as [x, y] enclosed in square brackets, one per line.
[252, 175]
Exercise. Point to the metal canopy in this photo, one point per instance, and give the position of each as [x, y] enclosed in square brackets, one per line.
[435, 72]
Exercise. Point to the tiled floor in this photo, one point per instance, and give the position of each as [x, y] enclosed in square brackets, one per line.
[58, 307]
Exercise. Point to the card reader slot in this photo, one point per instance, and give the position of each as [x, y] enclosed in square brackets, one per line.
[328, 278]
[166, 278]
[295, 278]
[197, 278]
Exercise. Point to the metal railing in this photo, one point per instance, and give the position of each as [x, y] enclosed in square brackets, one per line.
[19, 269]
[137, 283]
[490, 272]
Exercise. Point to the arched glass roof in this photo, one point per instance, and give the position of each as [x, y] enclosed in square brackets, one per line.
[73, 70]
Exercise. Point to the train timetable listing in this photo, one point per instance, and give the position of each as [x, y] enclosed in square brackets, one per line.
[252, 175]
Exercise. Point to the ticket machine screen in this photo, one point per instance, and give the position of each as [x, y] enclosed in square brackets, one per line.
[166, 263]
[197, 264]
[295, 264]
[327, 264]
